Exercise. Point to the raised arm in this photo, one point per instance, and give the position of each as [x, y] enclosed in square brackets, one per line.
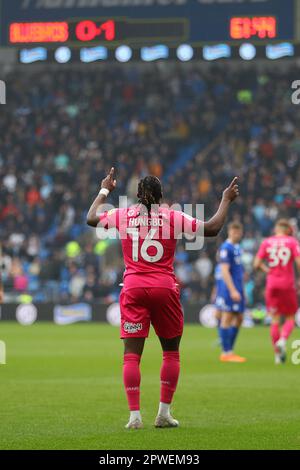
[213, 226]
[107, 186]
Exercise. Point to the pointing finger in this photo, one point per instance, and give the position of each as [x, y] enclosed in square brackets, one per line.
[233, 182]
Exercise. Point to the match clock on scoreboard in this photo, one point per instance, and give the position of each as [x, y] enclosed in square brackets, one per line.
[249, 27]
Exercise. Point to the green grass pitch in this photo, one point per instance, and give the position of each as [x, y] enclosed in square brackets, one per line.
[62, 389]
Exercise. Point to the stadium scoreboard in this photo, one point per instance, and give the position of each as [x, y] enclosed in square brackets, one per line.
[112, 30]
[144, 22]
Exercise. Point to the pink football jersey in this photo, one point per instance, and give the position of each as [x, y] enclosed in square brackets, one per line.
[280, 253]
[149, 243]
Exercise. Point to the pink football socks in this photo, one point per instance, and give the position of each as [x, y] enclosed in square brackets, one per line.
[132, 380]
[169, 375]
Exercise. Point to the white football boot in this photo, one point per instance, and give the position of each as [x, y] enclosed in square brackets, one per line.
[134, 424]
[166, 421]
[281, 346]
[277, 359]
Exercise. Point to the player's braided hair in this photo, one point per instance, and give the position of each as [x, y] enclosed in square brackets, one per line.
[149, 191]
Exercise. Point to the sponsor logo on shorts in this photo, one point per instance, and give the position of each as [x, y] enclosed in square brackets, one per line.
[132, 327]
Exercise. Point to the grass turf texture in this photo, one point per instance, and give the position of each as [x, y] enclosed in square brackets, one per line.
[62, 389]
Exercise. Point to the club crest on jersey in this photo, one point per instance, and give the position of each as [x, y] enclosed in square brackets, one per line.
[132, 327]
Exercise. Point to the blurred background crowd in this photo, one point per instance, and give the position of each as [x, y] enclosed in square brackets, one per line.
[194, 127]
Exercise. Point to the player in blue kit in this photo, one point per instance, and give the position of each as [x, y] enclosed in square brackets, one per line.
[215, 295]
[230, 299]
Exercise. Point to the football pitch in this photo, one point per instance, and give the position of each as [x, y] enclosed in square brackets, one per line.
[62, 389]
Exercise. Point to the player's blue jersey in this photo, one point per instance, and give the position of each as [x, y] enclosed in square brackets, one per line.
[218, 278]
[231, 255]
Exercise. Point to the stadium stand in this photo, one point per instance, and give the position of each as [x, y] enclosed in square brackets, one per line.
[195, 127]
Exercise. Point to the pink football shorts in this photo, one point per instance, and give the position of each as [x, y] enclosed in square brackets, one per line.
[281, 301]
[159, 306]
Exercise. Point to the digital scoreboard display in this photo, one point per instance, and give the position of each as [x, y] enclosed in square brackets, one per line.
[98, 31]
[145, 23]
[249, 27]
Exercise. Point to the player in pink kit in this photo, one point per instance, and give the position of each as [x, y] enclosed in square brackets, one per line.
[280, 252]
[150, 295]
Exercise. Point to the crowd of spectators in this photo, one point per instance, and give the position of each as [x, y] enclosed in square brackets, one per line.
[193, 127]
